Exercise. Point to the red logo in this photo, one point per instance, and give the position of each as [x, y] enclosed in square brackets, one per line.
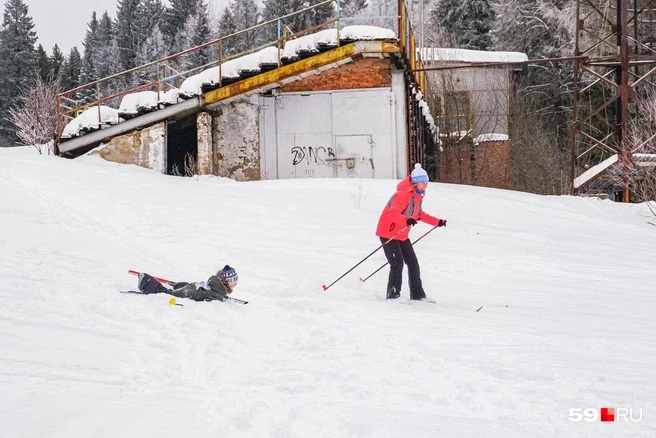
[607, 414]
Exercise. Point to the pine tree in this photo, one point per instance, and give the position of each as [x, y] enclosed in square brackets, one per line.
[278, 8]
[56, 61]
[194, 33]
[245, 14]
[128, 31]
[465, 23]
[106, 55]
[90, 42]
[44, 66]
[88, 71]
[149, 15]
[107, 58]
[322, 14]
[176, 15]
[18, 64]
[71, 70]
[152, 49]
[539, 29]
[227, 27]
[351, 8]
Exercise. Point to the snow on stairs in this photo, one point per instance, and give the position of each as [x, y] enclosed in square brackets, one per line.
[302, 59]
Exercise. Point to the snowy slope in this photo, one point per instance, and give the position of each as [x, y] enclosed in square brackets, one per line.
[79, 359]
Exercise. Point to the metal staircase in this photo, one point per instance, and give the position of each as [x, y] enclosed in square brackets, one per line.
[161, 77]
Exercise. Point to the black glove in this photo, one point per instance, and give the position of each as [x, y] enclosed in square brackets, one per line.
[411, 222]
[441, 223]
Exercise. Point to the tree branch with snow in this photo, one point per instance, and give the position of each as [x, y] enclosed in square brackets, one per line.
[35, 116]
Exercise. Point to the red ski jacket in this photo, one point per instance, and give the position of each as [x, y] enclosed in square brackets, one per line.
[404, 204]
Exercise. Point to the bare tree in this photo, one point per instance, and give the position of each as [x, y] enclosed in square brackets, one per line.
[190, 167]
[35, 116]
[359, 193]
[537, 161]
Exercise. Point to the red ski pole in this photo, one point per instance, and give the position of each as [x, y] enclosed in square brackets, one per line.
[171, 283]
[372, 274]
[360, 262]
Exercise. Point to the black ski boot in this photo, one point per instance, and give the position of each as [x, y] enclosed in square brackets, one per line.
[393, 294]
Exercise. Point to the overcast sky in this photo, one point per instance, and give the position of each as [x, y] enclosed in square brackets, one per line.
[65, 21]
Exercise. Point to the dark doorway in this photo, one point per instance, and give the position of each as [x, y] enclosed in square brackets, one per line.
[181, 145]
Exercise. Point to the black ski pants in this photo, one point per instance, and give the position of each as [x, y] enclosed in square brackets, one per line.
[397, 253]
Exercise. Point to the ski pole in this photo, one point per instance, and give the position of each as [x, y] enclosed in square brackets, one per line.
[372, 274]
[172, 283]
[360, 262]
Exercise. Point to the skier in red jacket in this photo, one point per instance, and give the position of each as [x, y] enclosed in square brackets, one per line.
[402, 211]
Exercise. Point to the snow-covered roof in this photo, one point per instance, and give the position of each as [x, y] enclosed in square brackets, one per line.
[490, 137]
[469, 56]
[361, 32]
[594, 171]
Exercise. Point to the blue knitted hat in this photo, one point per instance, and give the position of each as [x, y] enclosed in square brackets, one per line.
[418, 175]
[230, 274]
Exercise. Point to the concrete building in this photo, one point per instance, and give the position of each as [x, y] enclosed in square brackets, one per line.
[471, 91]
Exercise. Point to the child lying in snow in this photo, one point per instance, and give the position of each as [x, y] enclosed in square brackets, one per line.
[217, 287]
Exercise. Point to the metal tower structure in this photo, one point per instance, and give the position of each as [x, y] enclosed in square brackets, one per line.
[615, 60]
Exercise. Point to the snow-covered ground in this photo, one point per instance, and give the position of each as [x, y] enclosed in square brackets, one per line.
[566, 284]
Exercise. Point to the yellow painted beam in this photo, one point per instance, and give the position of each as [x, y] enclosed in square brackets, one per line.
[297, 68]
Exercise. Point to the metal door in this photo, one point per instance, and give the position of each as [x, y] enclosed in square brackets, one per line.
[354, 156]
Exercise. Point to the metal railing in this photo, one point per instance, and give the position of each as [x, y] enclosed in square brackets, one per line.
[70, 104]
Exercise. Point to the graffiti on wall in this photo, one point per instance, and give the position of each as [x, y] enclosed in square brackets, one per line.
[310, 154]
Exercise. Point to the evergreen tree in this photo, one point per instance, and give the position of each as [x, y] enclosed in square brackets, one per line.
[18, 63]
[44, 66]
[278, 8]
[194, 33]
[245, 14]
[106, 56]
[351, 8]
[176, 15]
[466, 23]
[149, 16]
[539, 29]
[227, 27]
[152, 49]
[71, 70]
[90, 45]
[128, 31]
[56, 61]
[88, 72]
[321, 14]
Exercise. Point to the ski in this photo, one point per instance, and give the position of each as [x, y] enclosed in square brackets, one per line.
[131, 292]
[171, 283]
[411, 302]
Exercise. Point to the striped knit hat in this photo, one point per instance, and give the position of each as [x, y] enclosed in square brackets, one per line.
[230, 274]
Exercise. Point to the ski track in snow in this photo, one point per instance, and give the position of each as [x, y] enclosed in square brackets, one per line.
[79, 359]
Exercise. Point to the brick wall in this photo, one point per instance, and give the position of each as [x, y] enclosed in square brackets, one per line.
[486, 164]
[493, 164]
[362, 73]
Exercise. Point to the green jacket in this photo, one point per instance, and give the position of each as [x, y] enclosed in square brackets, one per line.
[214, 289]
